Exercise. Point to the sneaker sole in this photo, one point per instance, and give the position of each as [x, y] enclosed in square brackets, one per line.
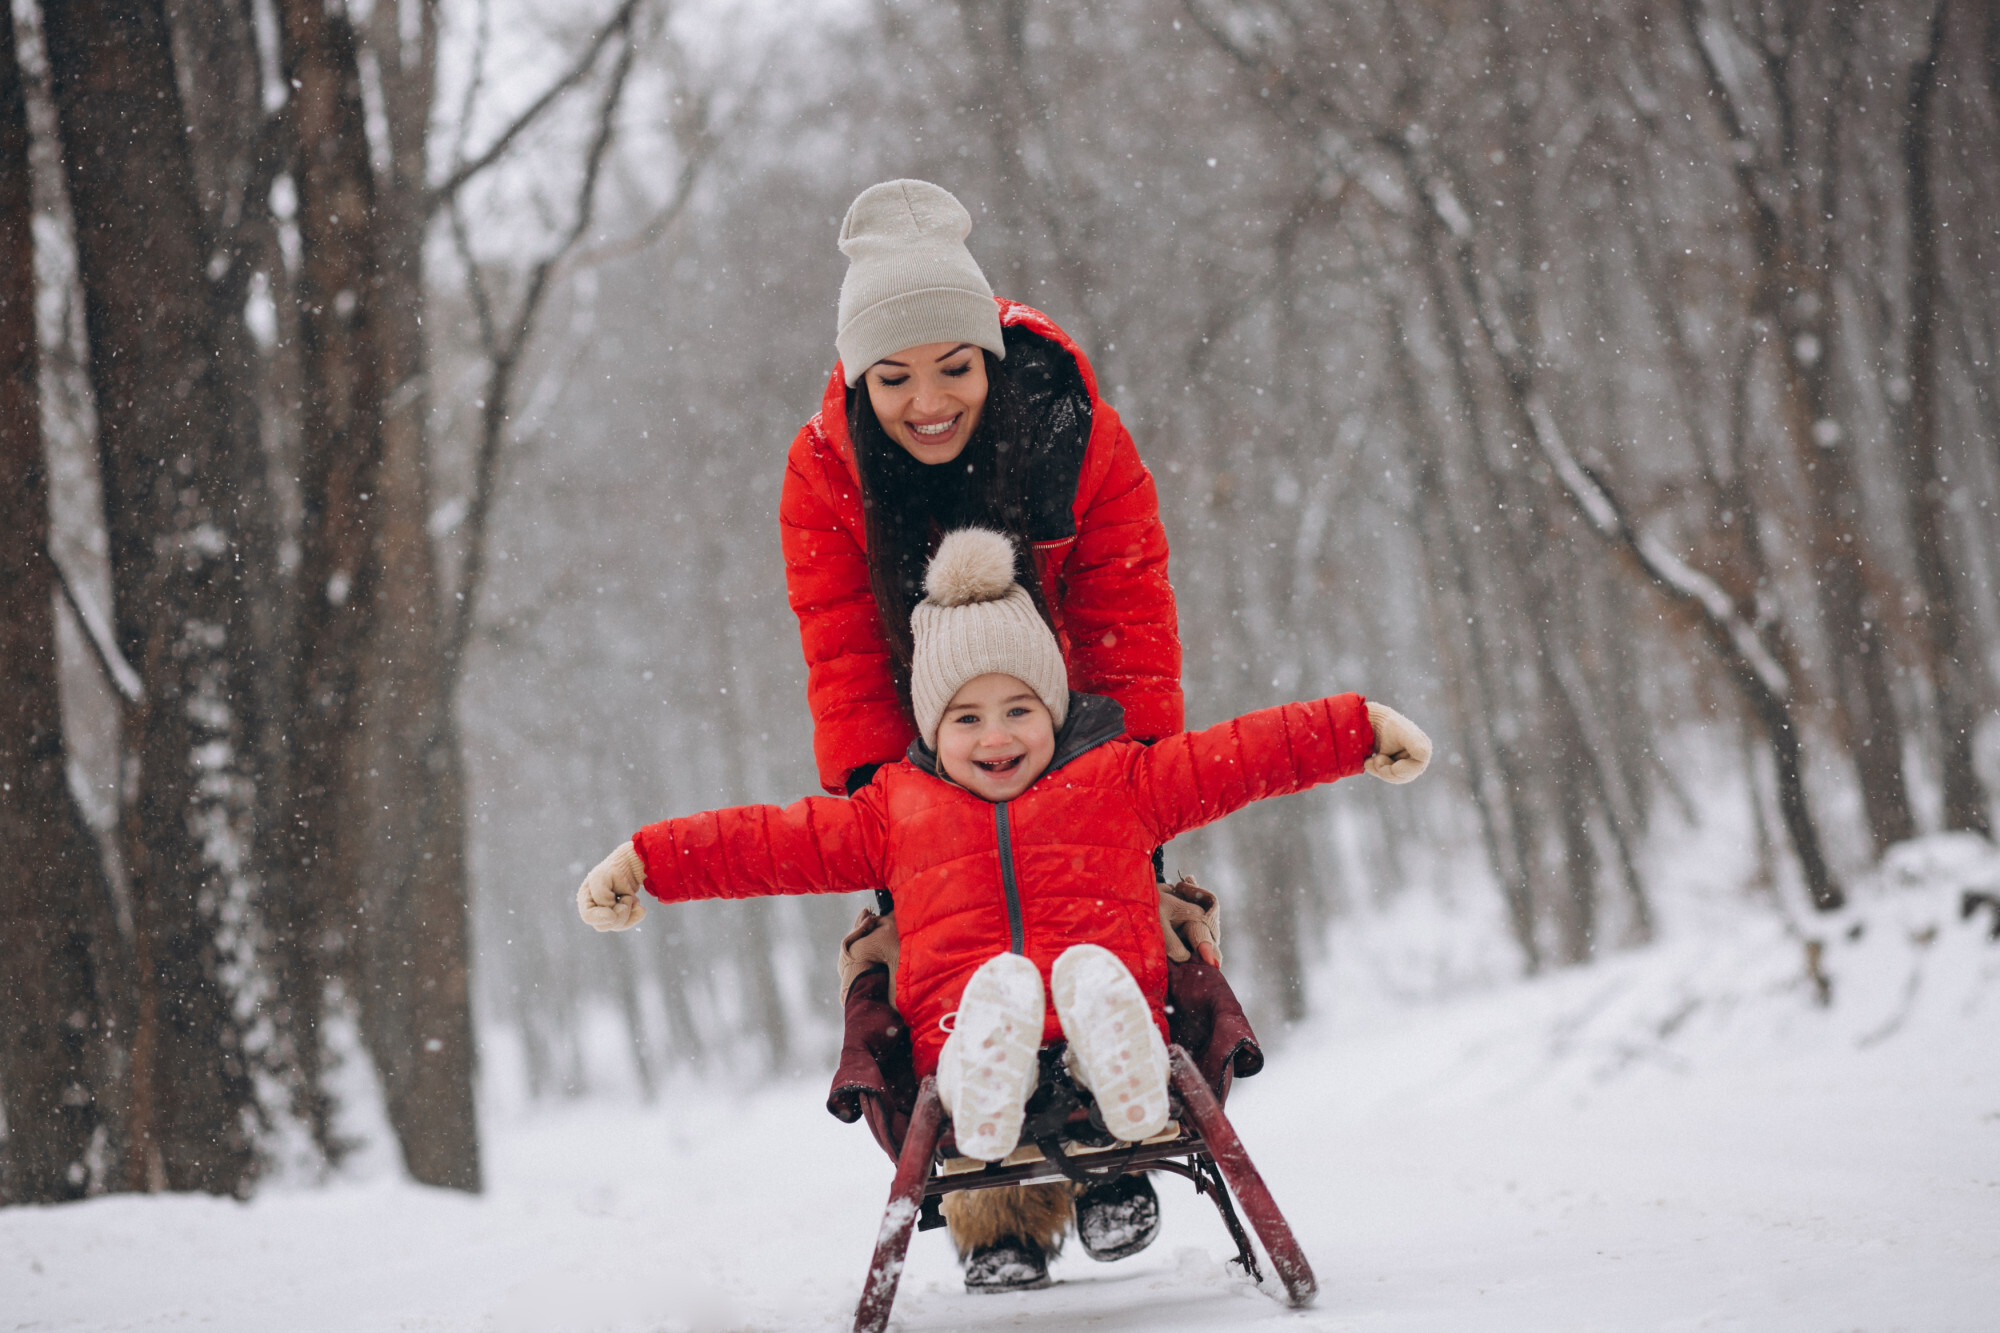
[999, 1030]
[1112, 1036]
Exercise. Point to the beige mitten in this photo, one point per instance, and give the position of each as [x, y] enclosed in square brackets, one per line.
[1191, 919]
[1402, 751]
[873, 940]
[612, 896]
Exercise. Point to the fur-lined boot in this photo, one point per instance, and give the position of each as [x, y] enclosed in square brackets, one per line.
[1006, 1236]
[1118, 1218]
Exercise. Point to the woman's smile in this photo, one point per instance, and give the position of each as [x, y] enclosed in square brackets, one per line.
[934, 431]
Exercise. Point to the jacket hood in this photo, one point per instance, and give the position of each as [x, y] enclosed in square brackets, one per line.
[1094, 720]
[833, 403]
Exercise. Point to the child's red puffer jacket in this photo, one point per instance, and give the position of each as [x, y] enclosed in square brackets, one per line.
[1069, 861]
[1106, 583]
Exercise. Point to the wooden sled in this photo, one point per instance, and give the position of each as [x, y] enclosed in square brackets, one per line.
[1059, 1138]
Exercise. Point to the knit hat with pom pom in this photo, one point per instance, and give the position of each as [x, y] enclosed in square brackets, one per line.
[974, 619]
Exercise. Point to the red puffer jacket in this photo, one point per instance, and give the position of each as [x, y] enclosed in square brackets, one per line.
[1069, 861]
[1106, 585]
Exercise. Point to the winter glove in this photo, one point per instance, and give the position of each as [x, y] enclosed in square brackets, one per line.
[872, 941]
[1191, 919]
[611, 896]
[1402, 751]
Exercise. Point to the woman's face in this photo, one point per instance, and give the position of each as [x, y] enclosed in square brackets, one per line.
[929, 398]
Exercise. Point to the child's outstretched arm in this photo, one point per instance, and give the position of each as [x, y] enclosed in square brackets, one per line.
[1198, 777]
[817, 845]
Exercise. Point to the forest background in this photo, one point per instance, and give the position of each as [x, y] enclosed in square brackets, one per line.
[393, 404]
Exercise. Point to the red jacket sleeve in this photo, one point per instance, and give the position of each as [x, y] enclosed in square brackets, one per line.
[857, 718]
[817, 845]
[1117, 606]
[1197, 777]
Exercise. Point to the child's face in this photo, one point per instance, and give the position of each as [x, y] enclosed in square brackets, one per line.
[996, 737]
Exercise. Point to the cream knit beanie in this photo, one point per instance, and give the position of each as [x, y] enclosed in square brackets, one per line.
[974, 619]
[910, 279]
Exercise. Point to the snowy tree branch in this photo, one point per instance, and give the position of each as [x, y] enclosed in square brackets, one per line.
[97, 633]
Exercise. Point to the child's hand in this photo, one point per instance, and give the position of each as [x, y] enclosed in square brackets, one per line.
[612, 896]
[1402, 751]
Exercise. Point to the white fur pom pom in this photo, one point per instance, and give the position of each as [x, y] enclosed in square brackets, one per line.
[971, 565]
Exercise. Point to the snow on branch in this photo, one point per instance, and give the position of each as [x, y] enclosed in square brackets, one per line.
[97, 632]
[1674, 575]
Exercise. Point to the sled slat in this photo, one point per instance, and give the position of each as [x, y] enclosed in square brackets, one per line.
[1244, 1181]
[899, 1219]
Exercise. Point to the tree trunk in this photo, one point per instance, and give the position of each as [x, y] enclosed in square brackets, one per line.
[1944, 610]
[238, 152]
[169, 457]
[54, 1041]
[1790, 206]
[1448, 576]
[1508, 774]
[339, 293]
[414, 905]
[996, 33]
[1275, 856]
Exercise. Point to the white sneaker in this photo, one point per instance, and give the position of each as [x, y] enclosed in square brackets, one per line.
[1115, 1048]
[988, 1067]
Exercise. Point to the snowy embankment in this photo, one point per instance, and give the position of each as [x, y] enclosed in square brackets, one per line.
[1677, 1138]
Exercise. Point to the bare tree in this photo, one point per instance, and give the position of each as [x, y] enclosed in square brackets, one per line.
[413, 890]
[1787, 173]
[55, 915]
[1939, 574]
[171, 457]
[338, 291]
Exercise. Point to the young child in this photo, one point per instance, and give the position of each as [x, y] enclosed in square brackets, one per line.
[1017, 837]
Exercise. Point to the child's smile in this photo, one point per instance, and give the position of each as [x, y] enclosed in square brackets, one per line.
[997, 737]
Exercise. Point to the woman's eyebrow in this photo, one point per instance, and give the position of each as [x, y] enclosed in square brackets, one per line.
[946, 357]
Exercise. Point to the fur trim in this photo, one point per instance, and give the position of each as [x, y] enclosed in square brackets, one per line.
[971, 565]
[1039, 1213]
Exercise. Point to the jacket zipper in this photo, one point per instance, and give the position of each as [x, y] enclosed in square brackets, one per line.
[1007, 878]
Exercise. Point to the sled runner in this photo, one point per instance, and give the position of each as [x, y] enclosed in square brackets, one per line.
[1211, 1046]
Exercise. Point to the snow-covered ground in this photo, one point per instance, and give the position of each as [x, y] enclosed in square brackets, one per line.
[1678, 1138]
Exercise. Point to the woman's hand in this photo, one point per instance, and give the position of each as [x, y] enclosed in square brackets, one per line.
[872, 943]
[612, 896]
[1191, 919]
[1402, 751]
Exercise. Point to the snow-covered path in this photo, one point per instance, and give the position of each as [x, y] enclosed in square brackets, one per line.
[1676, 1139]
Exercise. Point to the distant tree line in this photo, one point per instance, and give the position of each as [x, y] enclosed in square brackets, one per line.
[1612, 387]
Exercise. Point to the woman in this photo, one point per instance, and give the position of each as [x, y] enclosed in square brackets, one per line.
[949, 409]
[952, 409]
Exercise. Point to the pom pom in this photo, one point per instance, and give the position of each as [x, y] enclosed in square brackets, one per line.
[971, 565]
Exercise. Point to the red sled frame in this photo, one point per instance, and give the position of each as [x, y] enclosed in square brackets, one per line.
[1207, 1152]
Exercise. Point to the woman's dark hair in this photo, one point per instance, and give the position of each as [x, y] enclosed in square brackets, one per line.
[910, 505]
